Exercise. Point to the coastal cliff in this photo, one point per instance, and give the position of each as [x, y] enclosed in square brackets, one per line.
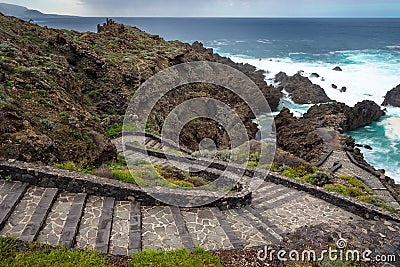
[61, 91]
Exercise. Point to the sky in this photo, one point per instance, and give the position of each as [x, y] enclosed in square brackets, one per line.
[217, 8]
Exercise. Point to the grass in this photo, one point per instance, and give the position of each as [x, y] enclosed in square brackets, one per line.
[181, 257]
[44, 256]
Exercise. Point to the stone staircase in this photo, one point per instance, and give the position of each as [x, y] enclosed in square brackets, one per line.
[122, 226]
[78, 220]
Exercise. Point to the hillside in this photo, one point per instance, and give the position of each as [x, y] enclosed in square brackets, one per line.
[60, 90]
[24, 12]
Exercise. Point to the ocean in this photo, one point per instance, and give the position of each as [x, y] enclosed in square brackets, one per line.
[368, 51]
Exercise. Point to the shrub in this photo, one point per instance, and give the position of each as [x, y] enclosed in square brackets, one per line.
[318, 179]
[355, 182]
[377, 201]
[123, 176]
[69, 165]
[181, 183]
[347, 191]
[103, 171]
[299, 171]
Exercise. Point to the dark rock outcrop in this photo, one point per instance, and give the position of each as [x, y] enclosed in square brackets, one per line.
[341, 116]
[392, 97]
[337, 68]
[299, 136]
[301, 90]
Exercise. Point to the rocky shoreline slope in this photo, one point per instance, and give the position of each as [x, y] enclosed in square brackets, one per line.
[60, 90]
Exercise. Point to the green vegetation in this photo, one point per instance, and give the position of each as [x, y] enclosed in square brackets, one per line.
[5, 60]
[42, 92]
[27, 96]
[114, 129]
[70, 166]
[377, 201]
[28, 86]
[94, 92]
[181, 257]
[355, 182]
[45, 256]
[45, 101]
[53, 83]
[123, 176]
[344, 190]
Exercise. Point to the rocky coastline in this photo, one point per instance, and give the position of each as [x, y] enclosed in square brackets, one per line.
[63, 90]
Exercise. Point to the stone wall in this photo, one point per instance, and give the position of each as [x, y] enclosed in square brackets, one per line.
[70, 181]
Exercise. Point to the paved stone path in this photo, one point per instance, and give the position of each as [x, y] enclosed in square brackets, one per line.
[122, 227]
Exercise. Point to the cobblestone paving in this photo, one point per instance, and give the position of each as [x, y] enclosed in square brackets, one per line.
[205, 229]
[56, 219]
[306, 210]
[244, 229]
[87, 234]
[119, 240]
[23, 212]
[159, 229]
[5, 187]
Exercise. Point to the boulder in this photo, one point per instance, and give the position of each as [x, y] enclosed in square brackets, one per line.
[337, 68]
[392, 97]
[301, 90]
[314, 75]
[334, 86]
[344, 89]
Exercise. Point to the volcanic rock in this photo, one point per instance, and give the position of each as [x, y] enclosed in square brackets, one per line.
[301, 90]
[392, 97]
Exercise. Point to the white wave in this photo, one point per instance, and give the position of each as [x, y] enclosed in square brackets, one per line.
[393, 46]
[363, 82]
[264, 41]
[392, 128]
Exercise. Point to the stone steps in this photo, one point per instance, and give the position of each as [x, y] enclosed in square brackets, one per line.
[122, 227]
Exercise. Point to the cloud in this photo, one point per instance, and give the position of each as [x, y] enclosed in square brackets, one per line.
[226, 8]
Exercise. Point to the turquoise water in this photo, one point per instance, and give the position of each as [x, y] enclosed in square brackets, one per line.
[383, 136]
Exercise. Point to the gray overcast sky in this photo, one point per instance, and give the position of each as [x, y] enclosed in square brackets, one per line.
[224, 8]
